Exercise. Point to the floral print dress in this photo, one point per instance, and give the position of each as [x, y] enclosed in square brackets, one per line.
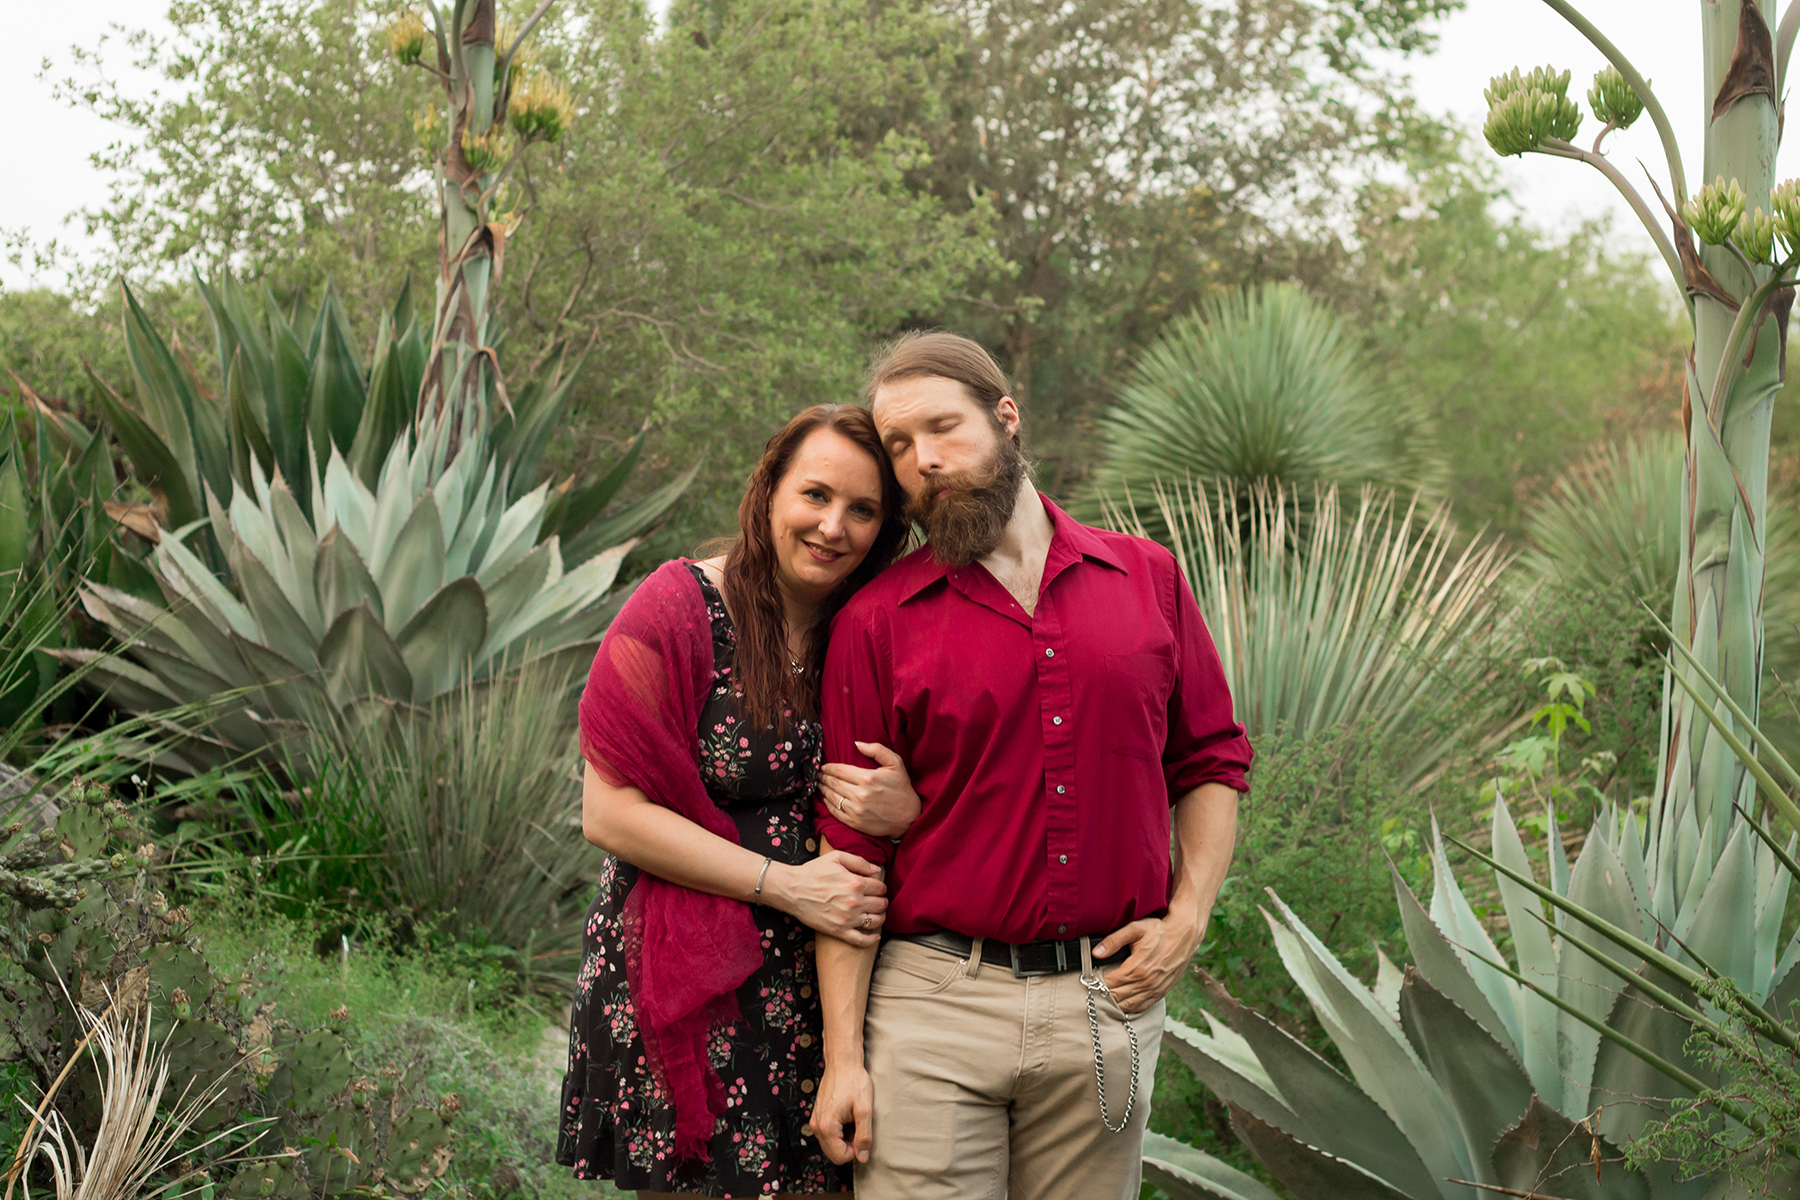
[616, 1123]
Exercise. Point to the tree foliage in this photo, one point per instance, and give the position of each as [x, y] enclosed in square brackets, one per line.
[1140, 155]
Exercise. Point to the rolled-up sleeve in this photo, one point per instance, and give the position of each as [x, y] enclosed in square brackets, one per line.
[854, 708]
[1206, 743]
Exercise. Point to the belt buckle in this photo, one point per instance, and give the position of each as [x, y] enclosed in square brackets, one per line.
[1023, 972]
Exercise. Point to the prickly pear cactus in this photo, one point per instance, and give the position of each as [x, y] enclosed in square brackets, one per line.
[341, 1131]
[81, 918]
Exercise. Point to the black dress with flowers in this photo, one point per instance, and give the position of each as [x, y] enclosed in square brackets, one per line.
[616, 1123]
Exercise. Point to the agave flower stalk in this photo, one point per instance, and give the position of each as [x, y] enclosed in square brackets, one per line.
[479, 79]
[1731, 250]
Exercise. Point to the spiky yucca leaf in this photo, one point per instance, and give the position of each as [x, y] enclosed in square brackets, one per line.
[1259, 387]
[1326, 613]
[1616, 518]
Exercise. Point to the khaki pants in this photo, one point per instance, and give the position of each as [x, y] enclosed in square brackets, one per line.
[984, 1083]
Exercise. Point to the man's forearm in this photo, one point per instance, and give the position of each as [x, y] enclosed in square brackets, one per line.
[1205, 836]
[844, 972]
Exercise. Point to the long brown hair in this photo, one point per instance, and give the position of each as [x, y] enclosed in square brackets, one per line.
[763, 669]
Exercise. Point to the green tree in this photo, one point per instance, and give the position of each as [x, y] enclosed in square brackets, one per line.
[1116, 143]
[1525, 348]
[712, 227]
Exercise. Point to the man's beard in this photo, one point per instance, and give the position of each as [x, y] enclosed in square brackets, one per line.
[968, 521]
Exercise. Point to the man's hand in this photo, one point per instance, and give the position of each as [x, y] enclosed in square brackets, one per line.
[846, 1098]
[1161, 949]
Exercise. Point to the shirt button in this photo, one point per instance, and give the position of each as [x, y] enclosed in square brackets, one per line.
[1062, 929]
[1062, 858]
[1056, 720]
[1060, 789]
[1049, 654]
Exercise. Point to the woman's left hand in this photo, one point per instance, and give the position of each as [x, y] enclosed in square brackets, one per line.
[878, 801]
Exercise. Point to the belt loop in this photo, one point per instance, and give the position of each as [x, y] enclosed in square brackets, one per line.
[973, 966]
[1087, 957]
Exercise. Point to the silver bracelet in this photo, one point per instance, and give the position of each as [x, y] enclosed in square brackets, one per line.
[761, 875]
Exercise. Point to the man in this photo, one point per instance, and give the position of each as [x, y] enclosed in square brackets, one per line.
[1054, 695]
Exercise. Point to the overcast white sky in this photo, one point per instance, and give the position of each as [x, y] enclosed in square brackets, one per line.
[1661, 36]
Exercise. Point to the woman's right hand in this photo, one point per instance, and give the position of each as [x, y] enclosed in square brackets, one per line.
[837, 893]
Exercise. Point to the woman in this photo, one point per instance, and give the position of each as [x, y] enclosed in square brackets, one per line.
[694, 1045]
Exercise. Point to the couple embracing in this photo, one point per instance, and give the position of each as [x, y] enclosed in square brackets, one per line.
[903, 856]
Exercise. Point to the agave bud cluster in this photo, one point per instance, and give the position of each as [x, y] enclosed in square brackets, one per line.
[406, 38]
[1526, 110]
[1714, 211]
[1755, 236]
[1613, 100]
[540, 110]
[486, 152]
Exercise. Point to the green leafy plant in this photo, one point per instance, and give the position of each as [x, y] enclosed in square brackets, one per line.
[1479, 1070]
[1259, 388]
[1326, 616]
[91, 933]
[389, 596]
[1531, 767]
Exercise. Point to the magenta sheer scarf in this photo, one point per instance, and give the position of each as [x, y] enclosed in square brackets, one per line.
[686, 952]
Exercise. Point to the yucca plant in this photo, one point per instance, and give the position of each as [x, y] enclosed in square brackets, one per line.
[392, 595]
[133, 1143]
[1615, 519]
[1327, 614]
[1477, 1071]
[1259, 387]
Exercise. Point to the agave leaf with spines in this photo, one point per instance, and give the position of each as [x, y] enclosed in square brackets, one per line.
[1476, 1074]
[405, 591]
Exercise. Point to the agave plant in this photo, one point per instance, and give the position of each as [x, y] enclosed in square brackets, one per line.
[289, 401]
[1473, 1072]
[399, 593]
[1325, 615]
[1732, 247]
[1259, 387]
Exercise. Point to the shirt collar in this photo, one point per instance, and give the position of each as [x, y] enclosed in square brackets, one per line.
[1070, 541]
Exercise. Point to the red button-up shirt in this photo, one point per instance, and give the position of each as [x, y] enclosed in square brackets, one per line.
[1046, 747]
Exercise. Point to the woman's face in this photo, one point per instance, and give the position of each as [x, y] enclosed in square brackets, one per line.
[825, 514]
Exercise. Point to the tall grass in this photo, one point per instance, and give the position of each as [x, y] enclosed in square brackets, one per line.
[462, 818]
[1326, 615]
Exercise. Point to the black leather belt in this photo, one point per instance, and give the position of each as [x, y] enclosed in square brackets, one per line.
[1022, 959]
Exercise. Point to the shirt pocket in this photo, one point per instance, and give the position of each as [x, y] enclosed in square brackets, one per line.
[1137, 704]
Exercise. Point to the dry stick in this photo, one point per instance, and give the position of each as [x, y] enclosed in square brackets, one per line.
[1506, 1191]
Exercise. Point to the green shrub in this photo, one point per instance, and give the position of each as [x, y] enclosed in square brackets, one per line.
[1322, 819]
[455, 824]
[432, 1010]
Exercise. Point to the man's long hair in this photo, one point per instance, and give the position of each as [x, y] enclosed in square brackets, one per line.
[771, 690]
